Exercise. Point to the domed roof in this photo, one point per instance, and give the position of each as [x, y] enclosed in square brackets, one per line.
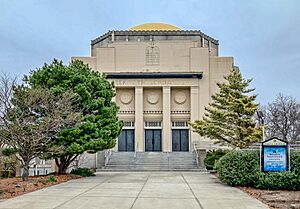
[153, 27]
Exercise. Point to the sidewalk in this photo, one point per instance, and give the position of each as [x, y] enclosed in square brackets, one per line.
[138, 190]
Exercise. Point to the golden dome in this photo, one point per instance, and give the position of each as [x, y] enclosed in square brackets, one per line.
[154, 26]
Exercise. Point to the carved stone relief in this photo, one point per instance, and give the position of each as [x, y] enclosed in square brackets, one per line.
[152, 55]
[152, 101]
[126, 97]
[180, 97]
[125, 100]
[153, 97]
[180, 103]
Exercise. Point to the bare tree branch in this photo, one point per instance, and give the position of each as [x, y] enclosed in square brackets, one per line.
[7, 84]
[31, 119]
[283, 118]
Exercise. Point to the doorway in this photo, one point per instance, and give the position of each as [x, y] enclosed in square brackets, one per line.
[153, 140]
[180, 140]
[126, 141]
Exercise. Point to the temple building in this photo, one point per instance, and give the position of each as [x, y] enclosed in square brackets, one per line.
[164, 77]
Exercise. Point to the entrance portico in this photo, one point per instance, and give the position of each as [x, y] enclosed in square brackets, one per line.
[160, 109]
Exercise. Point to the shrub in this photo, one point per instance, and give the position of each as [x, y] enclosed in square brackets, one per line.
[295, 162]
[52, 178]
[278, 181]
[7, 166]
[212, 157]
[84, 172]
[6, 174]
[241, 168]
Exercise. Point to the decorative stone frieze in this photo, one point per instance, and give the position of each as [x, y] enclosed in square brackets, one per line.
[153, 97]
[126, 97]
[180, 97]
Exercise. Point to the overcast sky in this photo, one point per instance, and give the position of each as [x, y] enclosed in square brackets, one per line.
[262, 35]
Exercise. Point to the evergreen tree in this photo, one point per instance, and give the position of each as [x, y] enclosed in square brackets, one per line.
[228, 119]
[99, 127]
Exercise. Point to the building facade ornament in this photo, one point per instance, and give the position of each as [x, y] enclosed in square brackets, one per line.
[180, 97]
[153, 98]
[126, 97]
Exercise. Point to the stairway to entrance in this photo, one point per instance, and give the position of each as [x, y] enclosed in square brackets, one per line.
[152, 161]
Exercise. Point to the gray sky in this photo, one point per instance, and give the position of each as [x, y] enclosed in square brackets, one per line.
[262, 35]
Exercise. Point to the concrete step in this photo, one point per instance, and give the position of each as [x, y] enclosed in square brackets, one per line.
[151, 170]
[153, 165]
[147, 168]
[152, 161]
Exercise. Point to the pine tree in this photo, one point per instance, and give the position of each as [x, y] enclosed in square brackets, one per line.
[100, 125]
[228, 119]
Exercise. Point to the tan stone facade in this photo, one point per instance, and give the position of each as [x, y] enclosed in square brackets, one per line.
[164, 78]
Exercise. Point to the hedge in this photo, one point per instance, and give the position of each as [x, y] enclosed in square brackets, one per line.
[295, 162]
[212, 157]
[241, 168]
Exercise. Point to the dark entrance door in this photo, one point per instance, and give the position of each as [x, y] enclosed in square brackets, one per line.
[152, 140]
[126, 141]
[180, 140]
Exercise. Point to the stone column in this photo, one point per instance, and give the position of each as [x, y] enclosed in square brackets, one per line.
[139, 119]
[117, 141]
[194, 113]
[166, 137]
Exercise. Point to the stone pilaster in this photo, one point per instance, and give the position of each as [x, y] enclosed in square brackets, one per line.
[117, 141]
[166, 137]
[139, 119]
[194, 112]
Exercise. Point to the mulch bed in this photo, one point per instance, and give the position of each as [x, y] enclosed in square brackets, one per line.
[12, 187]
[275, 199]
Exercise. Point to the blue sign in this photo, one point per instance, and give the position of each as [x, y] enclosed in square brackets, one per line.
[275, 158]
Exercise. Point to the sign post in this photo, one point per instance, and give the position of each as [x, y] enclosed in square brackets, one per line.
[274, 155]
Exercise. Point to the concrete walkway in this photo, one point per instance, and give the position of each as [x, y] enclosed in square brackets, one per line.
[138, 190]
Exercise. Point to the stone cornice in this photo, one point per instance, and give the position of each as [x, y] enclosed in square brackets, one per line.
[155, 75]
[155, 33]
